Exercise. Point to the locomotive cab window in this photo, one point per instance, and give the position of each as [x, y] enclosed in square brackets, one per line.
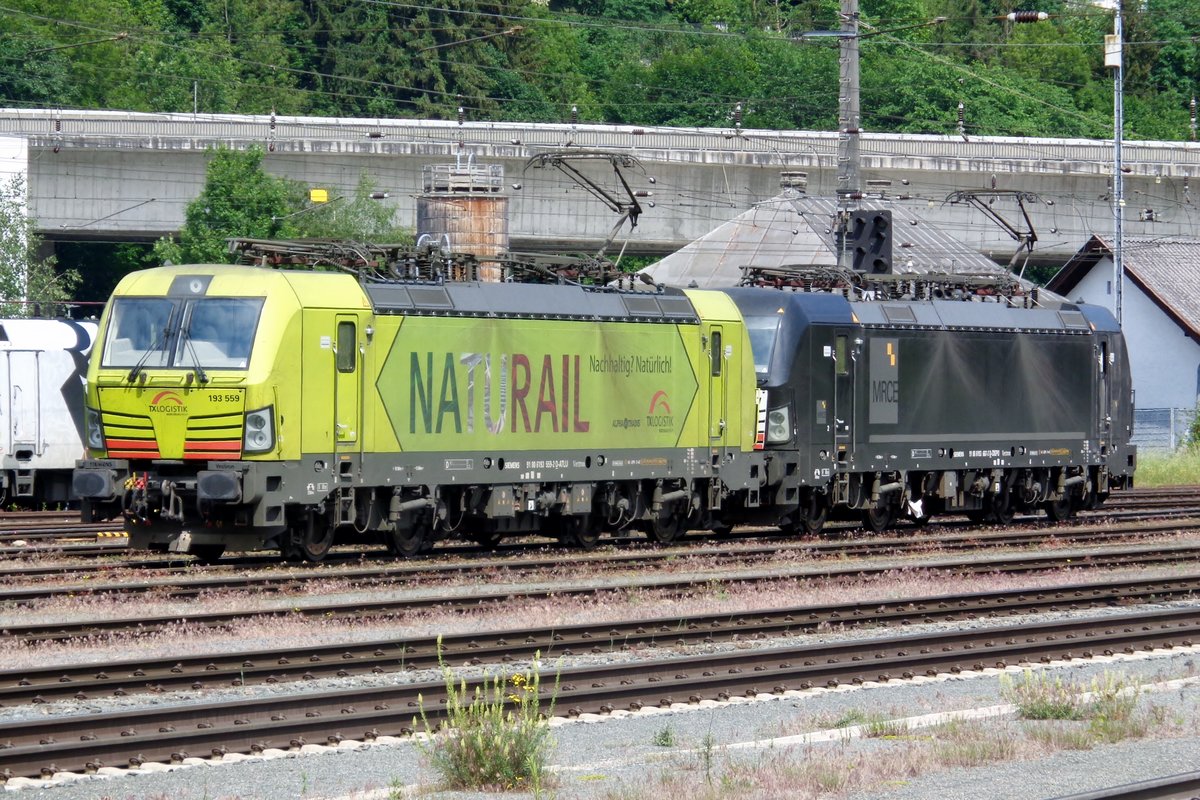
[346, 349]
[763, 332]
[208, 332]
[840, 356]
[716, 354]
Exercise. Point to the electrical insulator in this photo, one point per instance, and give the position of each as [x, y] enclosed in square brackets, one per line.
[574, 115]
[737, 116]
[961, 120]
[462, 115]
[1028, 16]
[1193, 119]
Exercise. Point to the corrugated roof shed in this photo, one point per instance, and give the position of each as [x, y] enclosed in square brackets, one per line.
[1167, 270]
[796, 230]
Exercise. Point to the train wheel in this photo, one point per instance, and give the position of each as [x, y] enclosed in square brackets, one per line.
[408, 542]
[665, 530]
[1060, 509]
[488, 539]
[208, 553]
[309, 539]
[579, 530]
[878, 518]
[813, 516]
[1003, 511]
[1089, 502]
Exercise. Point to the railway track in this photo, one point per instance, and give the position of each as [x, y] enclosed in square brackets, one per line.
[1142, 555]
[185, 581]
[1185, 786]
[86, 742]
[217, 670]
[60, 533]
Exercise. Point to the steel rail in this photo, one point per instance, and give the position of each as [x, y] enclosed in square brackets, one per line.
[217, 670]
[1184, 786]
[193, 584]
[86, 742]
[59, 543]
[1007, 563]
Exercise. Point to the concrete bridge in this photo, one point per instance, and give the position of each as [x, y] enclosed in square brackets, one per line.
[121, 175]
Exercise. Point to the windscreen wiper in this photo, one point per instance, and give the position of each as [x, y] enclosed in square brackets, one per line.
[155, 346]
[185, 336]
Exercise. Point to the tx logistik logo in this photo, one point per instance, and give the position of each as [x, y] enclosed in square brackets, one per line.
[659, 401]
[168, 402]
[659, 414]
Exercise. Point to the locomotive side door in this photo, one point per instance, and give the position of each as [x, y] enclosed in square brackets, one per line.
[716, 385]
[24, 403]
[843, 394]
[1103, 391]
[346, 394]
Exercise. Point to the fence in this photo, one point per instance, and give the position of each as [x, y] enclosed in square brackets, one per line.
[1162, 428]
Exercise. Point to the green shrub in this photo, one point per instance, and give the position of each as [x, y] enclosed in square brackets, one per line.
[1040, 696]
[664, 737]
[496, 735]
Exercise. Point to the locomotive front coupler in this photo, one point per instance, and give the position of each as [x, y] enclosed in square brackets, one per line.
[172, 498]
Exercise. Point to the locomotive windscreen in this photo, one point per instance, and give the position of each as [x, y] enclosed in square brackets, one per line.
[763, 333]
[211, 332]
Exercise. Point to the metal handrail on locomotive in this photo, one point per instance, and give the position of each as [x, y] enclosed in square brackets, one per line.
[388, 396]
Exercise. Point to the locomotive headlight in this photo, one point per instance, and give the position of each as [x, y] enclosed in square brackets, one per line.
[94, 428]
[779, 428]
[260, 430]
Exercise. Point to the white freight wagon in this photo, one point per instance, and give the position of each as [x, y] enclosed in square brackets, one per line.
[43, 365]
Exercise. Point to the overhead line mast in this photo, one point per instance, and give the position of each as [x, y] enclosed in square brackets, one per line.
[849, 120]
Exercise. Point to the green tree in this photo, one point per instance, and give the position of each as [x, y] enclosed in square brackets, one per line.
[239, 198]
[29, 284]
[360, 217]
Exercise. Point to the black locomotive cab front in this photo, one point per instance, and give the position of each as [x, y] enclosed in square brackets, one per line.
[801, 343]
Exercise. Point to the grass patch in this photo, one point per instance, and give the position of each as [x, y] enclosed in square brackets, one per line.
[496, 736]
[1038, 695]
[664, 737]
[1064, 715]
[1169, 469]
[972, 744]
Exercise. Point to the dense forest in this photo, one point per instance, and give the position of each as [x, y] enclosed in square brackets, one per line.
[647, 62]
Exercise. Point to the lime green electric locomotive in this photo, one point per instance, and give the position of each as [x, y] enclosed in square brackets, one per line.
[249, 408]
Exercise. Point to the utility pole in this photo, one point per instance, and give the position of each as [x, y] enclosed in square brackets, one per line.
[1114, 58]
[849, 122]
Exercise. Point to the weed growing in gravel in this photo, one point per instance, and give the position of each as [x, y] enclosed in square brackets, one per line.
[496, 735]
[886, 729]
[664, 737]
[707, 745]
[1111, 713]
[1038, 695]
[971, 744]
[1108, 703]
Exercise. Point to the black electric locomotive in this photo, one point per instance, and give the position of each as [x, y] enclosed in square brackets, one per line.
[914, 407]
